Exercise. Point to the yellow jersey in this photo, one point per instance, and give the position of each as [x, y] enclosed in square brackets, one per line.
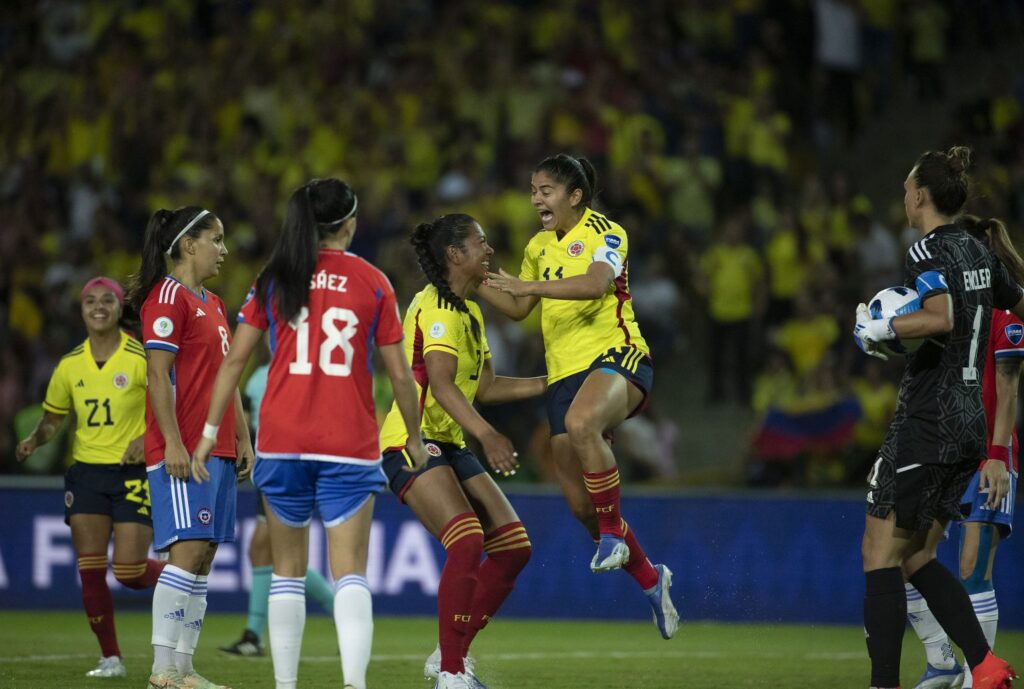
[433, 324]
[577, 332]
[109, 401]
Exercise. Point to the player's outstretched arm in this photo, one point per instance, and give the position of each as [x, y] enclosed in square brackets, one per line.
[224, 388]
[590, 285]
[40, 435]
[516, 308]
[404, 388]
[161, 399]
[441, 369]
[994, 474]
[497, 389]
[935, 317]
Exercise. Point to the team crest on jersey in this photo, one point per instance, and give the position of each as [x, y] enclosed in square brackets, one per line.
[1014, 333]
[163, 326]
[204, 515]
[432, 449]
[575, 249]
[69, 499]
[121, 381]
[613, 241]
[437, 330]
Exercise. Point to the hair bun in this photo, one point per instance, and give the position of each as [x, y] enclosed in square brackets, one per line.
[959, 158]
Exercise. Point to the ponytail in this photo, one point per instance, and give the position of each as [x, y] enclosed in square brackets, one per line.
[164, 233]
[431, 240]
[993, 233]
[315, 210]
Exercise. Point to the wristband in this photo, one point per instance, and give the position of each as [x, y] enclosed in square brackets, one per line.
[210, 431]
[1000, 452]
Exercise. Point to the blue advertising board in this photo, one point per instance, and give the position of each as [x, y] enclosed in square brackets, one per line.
[736, 557]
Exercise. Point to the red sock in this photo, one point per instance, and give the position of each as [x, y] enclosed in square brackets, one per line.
[638, 566]
[508, 550]
[138, 575]
[604, 494]
[99, 605]
[463, 539]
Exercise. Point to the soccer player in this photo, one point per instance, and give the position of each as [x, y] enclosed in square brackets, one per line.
[599, 367]
[103, 380]
[938, 432]
[318, 438]
[453, 496]
[260, 558]
[185, 333]
[986, 523]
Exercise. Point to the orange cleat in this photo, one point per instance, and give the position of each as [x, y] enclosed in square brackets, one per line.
[993, 673]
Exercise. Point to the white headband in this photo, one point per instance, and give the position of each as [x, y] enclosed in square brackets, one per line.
[355, 204]
[188, 227]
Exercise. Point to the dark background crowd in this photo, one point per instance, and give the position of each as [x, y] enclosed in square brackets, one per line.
[754, 150]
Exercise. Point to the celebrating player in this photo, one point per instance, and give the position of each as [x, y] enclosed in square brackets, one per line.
[939, 431]
[186, 337]
[599, 367]
[103, 380]
[318, 438]
[986, 522]
[452, 495]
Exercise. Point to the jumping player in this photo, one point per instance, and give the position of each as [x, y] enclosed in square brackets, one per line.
[453, 496]
[185, 333]
[103, 380]
[324, 309]
[599, 366]
[986, 523]
[939, 431]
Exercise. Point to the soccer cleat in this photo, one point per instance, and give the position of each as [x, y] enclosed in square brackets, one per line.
[612, 553]
[194, 680]
[993, 673]
[248, 646]
[448, 680]
[665, 616]
[111, 666]
[432, 667]
[934, 678]
[166, 679]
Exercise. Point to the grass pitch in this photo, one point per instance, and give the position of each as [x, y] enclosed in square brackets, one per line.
[44, 650]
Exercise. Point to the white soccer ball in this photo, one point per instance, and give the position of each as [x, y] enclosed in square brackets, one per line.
[891, 302]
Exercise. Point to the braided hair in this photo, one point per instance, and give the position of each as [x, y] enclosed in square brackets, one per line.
[431, 240]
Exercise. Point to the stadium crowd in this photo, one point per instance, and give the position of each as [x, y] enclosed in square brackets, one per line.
[713, 126]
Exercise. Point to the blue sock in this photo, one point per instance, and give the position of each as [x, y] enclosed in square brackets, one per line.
[319, 590]
[258, 600]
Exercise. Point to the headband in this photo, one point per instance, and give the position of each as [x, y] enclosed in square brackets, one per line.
[355, 204]
[199, 216]
[101, 281]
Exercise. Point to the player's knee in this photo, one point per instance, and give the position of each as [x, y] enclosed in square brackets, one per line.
[581, 424]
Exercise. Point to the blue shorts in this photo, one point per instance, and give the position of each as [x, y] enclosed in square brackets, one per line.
[292, 487]
[186, 510]
[627, 361]
[975, 501]
[461, 459]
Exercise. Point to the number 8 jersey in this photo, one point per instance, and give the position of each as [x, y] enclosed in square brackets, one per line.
[319, 399]
[194, 328]
[942, 380]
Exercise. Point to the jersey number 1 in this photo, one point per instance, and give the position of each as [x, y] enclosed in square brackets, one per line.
[334, 339]
[971, 371]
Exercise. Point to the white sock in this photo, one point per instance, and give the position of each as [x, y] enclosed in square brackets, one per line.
[170, 597]
[987, 610]
[936, 644]
[353, 620]
[195, 611]
[286, 619]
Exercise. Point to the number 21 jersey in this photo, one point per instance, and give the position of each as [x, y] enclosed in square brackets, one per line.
[318, 403]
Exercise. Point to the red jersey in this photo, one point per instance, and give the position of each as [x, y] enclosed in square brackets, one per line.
[195, 329]
[319, 398]
[1005, 341]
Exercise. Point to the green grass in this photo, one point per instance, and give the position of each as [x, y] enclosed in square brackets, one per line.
[55, 649]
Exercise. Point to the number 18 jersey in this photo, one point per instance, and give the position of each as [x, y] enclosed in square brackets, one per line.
[318, 403]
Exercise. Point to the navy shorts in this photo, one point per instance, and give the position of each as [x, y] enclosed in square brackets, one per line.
[293, 487]
[461, 459]
[120, 492]
[626, 361]
[186, 510]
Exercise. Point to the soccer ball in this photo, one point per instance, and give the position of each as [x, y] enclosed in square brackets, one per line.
[896, 301]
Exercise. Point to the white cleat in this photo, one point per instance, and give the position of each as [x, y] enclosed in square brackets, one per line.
[432, 667]
[447, 680]
[659, 596]
[111, 666]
